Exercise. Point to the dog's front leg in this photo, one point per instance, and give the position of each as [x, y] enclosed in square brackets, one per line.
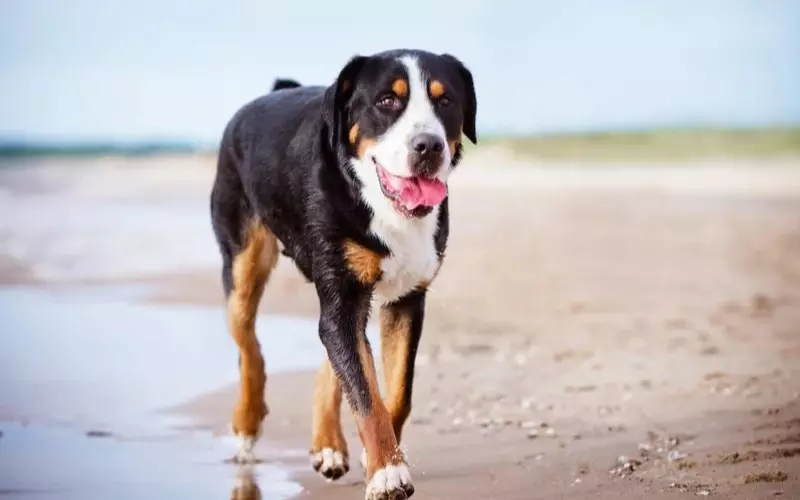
[344, 312]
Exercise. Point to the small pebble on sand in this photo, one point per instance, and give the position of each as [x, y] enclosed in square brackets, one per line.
[675, 455]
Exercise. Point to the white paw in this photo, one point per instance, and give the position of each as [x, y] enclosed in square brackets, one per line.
[390, 483]
[244, 448]
[332, 464]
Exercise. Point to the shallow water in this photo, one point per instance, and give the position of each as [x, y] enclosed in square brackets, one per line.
[60, 463]
[74, 360]
[97, 357]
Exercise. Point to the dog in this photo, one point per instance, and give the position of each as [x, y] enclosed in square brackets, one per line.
[349, 181]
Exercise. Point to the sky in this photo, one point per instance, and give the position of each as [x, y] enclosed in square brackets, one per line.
[178, 69]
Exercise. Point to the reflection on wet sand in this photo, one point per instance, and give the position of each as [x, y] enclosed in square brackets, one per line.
[246, 487]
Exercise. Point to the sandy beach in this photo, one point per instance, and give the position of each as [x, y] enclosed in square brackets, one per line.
[598, 330]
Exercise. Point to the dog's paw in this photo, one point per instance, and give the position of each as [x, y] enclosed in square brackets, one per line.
[244, 450]
[393, 482]
[331, 464]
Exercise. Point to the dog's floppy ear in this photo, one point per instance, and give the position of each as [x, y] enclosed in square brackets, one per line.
[471, 100]
[337, 95]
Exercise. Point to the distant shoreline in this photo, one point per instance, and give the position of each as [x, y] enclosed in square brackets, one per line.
[9, 149]
[647, 144]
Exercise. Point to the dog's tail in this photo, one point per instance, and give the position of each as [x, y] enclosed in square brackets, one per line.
[284, 83]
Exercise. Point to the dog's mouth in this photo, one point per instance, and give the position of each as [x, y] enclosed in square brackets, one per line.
[411, 196]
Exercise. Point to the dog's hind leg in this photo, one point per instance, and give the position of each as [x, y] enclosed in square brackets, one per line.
[249, 271]
[329, 455]
[249, 253]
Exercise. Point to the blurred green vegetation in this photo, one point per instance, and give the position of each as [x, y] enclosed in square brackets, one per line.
[658, 145]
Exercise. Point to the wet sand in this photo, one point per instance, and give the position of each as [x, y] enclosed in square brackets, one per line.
[600, 331]
[57, 462]
[86, 376]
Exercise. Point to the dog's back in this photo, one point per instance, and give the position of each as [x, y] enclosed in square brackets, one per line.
[259, 150]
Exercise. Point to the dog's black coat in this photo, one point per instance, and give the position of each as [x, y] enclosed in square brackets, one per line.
[284, 159]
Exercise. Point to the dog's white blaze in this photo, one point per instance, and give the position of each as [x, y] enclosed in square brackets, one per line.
[413, 256]
[418, 117]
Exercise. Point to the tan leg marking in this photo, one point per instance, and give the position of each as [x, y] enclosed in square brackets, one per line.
[250, 271]
[362, 262]
[395, 346]
[329, 454]
[387, 474]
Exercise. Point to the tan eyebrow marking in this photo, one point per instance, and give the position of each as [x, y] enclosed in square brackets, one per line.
[436, 88]
[400, 87]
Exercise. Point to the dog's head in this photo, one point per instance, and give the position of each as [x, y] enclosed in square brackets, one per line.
[399, 116]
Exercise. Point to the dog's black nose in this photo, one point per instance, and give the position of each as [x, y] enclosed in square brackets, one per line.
[427, 144]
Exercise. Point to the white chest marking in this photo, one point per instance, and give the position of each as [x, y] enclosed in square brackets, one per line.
[413, 256]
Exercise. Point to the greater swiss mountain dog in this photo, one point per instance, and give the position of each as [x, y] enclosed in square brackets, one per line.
[350, 182]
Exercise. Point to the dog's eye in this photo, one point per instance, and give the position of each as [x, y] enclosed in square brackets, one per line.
[388, 102]
[444, 101]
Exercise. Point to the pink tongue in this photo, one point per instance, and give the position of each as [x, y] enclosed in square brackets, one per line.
[422, 192]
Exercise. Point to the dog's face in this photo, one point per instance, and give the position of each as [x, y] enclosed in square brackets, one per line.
[400, 116]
